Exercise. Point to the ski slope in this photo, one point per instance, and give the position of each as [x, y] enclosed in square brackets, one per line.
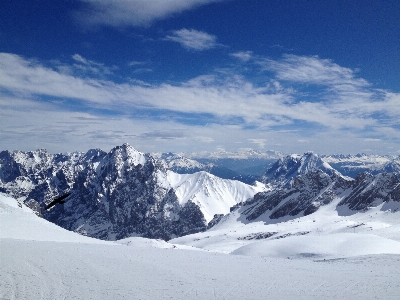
[39, 260]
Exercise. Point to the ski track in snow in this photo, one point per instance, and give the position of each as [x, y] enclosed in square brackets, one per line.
[39, 260]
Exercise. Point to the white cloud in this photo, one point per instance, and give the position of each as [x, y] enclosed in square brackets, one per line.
[243, 55]
[121, 13]
[30, 78]
[232, 103]
[89, 66]
[372, 140]
[193, 39]
[260, 142]
[305, 69]
[226, 98]
[204, 139]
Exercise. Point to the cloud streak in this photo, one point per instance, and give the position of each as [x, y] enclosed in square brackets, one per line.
[228, 100]
[123, 13]
[193, 39]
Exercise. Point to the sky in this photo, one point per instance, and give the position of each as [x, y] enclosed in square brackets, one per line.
[200, 75]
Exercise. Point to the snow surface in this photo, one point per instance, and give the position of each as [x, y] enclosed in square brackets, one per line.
[212, 194]
[39, 260]
[327, 233]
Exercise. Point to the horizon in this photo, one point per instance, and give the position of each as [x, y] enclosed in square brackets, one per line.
[203, 154]
[200, 76]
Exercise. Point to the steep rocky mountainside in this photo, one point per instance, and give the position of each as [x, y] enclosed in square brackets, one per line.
[117, 194]
[285, 170]
[372, 190]
[303, 184]
[308, 192]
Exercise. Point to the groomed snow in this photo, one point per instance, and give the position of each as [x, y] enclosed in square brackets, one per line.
[38, 260]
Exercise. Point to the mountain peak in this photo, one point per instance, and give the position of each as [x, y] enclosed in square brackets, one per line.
[287, 168]
[126, 153]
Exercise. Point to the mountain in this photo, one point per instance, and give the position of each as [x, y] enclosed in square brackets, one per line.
[320, 217]
[315, 189]
[117, 194]
[300, 185]
[246, 166]
[180, 164]
[246, 162]
[213, 195]
[308, 192]
[373, 190]
[352, 165]
[184, 165]
[286, 169]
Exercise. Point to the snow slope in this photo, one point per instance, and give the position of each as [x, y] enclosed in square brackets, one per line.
[328, 233]
[20, 222]
[212, 194]
[52, 263]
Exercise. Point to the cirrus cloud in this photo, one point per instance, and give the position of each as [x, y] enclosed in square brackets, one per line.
[122, 13]
[193, 39]
[212, 104]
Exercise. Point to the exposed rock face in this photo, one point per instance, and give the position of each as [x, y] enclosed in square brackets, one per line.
[369, 190]
[286, 169]
[114, 195]
[117, 194]
[307, 193]
[27, 174]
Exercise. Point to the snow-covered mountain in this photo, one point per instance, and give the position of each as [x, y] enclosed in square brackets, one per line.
[285, 170]
[184, 165]
[126, 193]
[373, 190]
[242, 154]
[213, 195]
[333, 236]
[181, 164]
[314, 190]
[246, 166]
[305, 196]
[315, 218]
[352, 165]
[118, 194]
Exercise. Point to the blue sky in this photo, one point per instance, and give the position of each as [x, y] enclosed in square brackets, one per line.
[200, 75]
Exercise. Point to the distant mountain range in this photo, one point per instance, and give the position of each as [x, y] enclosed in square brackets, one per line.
[352, 165]
[249, 166]
[126, 193]
[301, 185]
[245, 166]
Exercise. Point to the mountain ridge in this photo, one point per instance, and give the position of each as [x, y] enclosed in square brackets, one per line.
[117, 194]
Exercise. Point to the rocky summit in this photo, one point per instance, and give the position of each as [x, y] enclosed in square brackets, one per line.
[117, 194]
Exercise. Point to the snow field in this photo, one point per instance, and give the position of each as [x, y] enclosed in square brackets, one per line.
[39, 260]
